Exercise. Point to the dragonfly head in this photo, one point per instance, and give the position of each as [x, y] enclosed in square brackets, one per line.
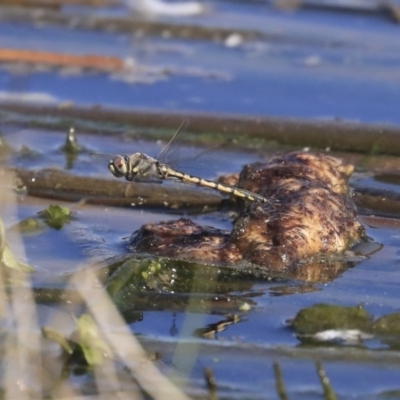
[118, 166]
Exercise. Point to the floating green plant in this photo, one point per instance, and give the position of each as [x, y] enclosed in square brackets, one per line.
[56, 216]
[321, 317]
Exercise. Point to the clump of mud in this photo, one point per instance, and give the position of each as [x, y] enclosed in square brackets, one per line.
[309, 214]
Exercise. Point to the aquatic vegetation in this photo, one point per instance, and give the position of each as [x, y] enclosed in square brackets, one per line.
[7, 258]
[56, 216]
[321, 317]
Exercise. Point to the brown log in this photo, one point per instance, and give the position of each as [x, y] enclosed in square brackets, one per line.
[60, 185]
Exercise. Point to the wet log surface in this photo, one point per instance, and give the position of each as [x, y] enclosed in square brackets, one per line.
[57, 184]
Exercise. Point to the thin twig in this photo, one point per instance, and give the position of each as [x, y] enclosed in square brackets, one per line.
[329, 393]
[280, 384]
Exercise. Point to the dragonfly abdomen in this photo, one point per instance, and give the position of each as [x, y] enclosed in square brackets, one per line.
[194, 180]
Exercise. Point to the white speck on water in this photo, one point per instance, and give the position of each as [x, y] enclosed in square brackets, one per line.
[245, 307]
[346, 335]
[312, 61]
[159, 7]
[233, 40]
[129, 63]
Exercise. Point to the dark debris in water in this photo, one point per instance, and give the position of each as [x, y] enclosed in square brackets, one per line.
[212, 330]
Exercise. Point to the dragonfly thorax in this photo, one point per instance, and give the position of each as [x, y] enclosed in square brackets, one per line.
[138, 166]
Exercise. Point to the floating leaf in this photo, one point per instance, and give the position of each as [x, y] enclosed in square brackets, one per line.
[56, 216]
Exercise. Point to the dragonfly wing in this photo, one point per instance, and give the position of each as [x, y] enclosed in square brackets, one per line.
[194, 164]
[101, 155]
[171, 151]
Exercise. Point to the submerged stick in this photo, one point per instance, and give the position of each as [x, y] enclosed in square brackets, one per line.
[280, 384]
[336, 135]
[60, 185]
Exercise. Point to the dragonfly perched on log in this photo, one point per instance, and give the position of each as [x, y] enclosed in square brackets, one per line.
[140, 167]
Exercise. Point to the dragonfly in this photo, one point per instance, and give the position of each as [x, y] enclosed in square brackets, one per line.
[140, 167]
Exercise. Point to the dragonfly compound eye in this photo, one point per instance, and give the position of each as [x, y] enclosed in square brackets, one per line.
[117, 166]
